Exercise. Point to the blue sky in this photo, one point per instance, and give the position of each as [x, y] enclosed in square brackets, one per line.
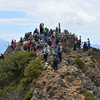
[78, 16]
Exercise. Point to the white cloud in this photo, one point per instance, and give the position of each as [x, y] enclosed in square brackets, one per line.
[72, 14]
[11, 36]
[52, 11]
[17, 21]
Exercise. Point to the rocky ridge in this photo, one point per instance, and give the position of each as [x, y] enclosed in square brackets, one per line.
[69, 82]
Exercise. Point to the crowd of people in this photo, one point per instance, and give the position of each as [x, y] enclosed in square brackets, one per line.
[82, 46]
[49, 42]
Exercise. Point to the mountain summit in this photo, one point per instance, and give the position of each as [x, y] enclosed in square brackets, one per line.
[25, 76]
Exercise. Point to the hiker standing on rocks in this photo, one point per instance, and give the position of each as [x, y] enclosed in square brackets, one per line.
[85, 47]
[79, 44]
[46, 52]
[49, 42]
[41, 28]
[21, 41]
[80, 38]
[82, 44]
[28, 45]
[75, 46]
[55, 63]
[88, 43]
[63, 40]
[60, 51]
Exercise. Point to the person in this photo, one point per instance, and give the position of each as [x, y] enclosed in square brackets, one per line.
[33, 45]
[55, 63]
[49, 42]
[15, 44]
[26, 36]
[28, 45]
[58, 39]
[88, 43]
[2, 57]
[63, 40]
[24, 46]
[79, 44]
[75, 46]
[21, 41]
[60, 51]
[46, 52]
[85, 47]
[80, 38]
[12, 44]
[82, 44]
[41, 28]
[41, 45]
[55, 53]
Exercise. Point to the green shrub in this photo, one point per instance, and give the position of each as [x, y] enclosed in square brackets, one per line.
[7, 89]
[13, 66]
[28, 96]
[15, 69]
[25, 81]
[89, 96]
[5, 77]
[34, 68]
[79, 62]
[94, 55]
[32, 54]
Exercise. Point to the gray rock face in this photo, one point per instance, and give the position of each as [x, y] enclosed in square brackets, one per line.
[38, 94]
[95, 78]
[67, 50]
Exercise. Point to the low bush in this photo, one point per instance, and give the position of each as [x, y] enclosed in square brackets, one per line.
[79, 62]
[34, 68]
[89, 96]
[26, 81]
[95, 55]
[28, 96]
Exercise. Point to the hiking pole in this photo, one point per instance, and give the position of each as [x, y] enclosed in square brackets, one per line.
[6, 45]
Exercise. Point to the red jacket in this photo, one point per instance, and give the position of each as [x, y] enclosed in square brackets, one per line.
[28, 43]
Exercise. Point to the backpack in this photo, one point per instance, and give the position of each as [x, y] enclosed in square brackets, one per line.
[59, 49]
[46, 51]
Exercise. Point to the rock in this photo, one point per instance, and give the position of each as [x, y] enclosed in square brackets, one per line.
[85, 60]
[66, 50]
[39, 94]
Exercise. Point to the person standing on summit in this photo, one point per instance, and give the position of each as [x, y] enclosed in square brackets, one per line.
[28, 45]
[88, 43]
[41, 28]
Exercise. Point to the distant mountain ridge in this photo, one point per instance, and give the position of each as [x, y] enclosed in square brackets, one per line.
[96, 46]
[3, 45]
